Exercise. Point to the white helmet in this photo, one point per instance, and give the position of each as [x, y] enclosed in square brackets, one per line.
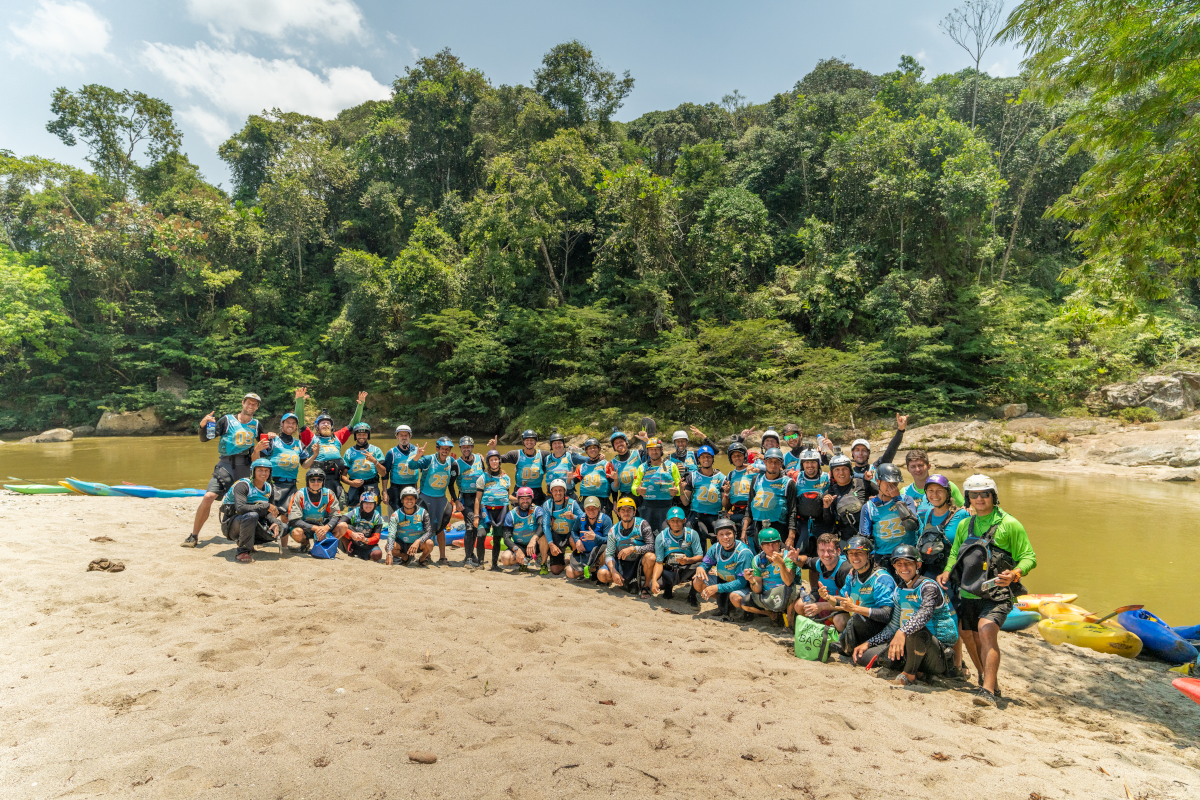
[679, 435]
[560, 483]
[857, 442]
[408, 491]
[979, 483]
[403, 429]
[771, 432]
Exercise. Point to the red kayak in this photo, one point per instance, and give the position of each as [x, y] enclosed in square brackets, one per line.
[1189, 686]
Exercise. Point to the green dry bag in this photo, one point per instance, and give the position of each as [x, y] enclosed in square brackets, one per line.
[813, 639]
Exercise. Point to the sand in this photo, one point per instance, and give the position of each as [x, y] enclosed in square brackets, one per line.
[189, 675]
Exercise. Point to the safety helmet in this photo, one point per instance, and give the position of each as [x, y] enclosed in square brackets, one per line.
[524, 491]
[706, 450]
[860, 543]
[558, 483]
[362, 427]
[444, 441]
[487, 456]
[616, 434]
[591, 502]
[774, 452]
[528, 434]
[940, 480]
[322, 417]
[252, 396]
[889, 473]
[679, 435]
[626, 502]
[653, 442]
[768, 535]
[466, 441]
[857, 442]
[724, 523]
[590, 442]
[840, 461]
[408, 491]
[314, 472]
[676, 513]
[768, 433]
[259, 463]
[369, 497]
[288, 416]
[735, 447]
[403, 429]
[556, 437]
[809, 455]
[907, 552]
[979, 483]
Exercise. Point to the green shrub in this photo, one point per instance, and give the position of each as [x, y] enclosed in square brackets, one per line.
[1137, 415]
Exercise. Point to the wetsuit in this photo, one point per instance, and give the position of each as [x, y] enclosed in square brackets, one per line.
[245, 516]
[235, 443]
[400, 472]
[637, 534]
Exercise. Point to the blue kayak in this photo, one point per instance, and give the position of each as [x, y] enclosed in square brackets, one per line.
[1018, 620]
[1158, 639]
[1191, 632]
[150, 491]
[94, 489]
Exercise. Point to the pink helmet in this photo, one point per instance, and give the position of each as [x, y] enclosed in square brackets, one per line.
[524, 491]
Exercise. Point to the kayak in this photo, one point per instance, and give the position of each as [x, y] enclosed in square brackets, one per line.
[87, 487]
[1100, 638]
[1157, 637]
[151, 492]
[1018, 620]
[1188, 631]
[1189, 686]
[37, 488]
[1030, 602]
[1051, 609]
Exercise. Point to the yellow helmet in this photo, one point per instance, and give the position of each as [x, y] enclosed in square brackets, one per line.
[653, 442]
[626, 502]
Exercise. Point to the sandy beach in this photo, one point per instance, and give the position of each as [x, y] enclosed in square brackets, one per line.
[188, 675]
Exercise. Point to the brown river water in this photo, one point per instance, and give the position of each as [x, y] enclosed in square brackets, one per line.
[1111, 541]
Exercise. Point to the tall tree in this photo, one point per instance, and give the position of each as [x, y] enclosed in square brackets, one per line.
[972, 26]
[573, 80]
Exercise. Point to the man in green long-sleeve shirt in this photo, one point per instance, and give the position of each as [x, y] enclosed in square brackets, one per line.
[992, 572]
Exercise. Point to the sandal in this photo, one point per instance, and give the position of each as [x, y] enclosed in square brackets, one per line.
[245, 558]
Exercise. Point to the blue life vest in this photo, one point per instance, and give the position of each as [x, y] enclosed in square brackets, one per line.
[593, 480]
[254, 495]
[739, 485]
[730, 564]
[878, 591]
[829, 581]
[524, 529]
[560, 469]
[944, 622]
[628, 538]
[706, 492]
[285, 459]
[771, 576]
[558, 526]
[687, 462]
[372, 523]
[682, 545]
[315, 513]
[436, 476]
[495, 490]
[328, 448]
[358, 466]
[887, 528]
[770, 498]
[529, 469]
[238, 437]
[658, 480]
[403, 472]
[468, 473]
[791, 461]
[807, 484]
[407, 528]
[626, 472]
[600, 527]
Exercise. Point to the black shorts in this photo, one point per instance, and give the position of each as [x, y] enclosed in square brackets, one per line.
[629, 571]
[972, 610]
[655, 512]
[393, 495]
[559, 560]
[677, 576]
[227, 472]
[282, 492]
[591, 560]
[360, 550]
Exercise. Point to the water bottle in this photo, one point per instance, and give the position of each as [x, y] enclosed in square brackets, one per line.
[210, 430]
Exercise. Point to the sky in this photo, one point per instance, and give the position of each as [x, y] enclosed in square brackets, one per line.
[218, 61]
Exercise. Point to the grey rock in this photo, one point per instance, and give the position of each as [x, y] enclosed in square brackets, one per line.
[1170, 396]
[83, 430]
[990, 463]
[1034, 451]
[146, 422]
[1011, 410]
[173, 384]
[1155, 455]
[54, 435]
[1182, 477]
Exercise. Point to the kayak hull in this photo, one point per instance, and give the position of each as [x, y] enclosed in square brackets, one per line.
[1189, 686]
[1188, 631]
[151, 492]
[1018, 620]
[37, 488]
[1158, 639]
[1100, 638]
[90, 488]
[1030, 602]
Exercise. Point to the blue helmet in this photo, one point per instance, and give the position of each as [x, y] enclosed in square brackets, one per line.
[706, 449]
[616, 434]
[369, 497]
[444, 442]
[774, 452]
[262, 462]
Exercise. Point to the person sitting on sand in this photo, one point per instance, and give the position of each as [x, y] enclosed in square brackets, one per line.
[770, 577]
[828, 569]
[721, 573]
[630, 549]
[677, 550]
[360, 528]
[560, 518]
[522, 531]
[409, 532]
[248, 516]
[869, 594]
[589, 541]
[313, 512]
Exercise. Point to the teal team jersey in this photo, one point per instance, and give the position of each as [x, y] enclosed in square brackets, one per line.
[358, 466]
[238, 437]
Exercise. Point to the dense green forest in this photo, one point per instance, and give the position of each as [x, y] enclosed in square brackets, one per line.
[481, 256]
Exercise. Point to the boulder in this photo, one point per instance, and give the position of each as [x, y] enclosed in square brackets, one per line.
[26, 440]
[1011, 410]
[54, 435]
[173, 384]
[1157, 454]
[986, 439]
[146, 422]
[1036, 450]
[83, 430]
[1170, 396]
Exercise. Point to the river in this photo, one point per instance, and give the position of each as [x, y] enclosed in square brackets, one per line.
[1113, 542]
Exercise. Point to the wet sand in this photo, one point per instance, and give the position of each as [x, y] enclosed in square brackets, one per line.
[189, 675]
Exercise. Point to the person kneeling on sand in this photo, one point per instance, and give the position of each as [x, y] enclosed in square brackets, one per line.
[770, 576]
[589, 541]
[409, 532]
[361, 527]
[312, 512]
[923, 627]
[829, 569]
[721, 573]
[870, 593]
[247, 514]
[522, 531]
[677, 550]
[630, 549]
[560, 519]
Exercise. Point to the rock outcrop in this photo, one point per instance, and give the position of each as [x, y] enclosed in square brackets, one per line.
[1011, 411]
[84, 430]
[52, 435]
[146, 422]
[1170, 396]
[983, 438]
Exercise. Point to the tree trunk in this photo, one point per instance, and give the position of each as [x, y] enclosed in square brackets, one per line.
[1017, 213]
[975, 96]
[550, 269]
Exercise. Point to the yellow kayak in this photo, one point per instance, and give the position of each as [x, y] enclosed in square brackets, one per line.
[1051, 609]
[1100, 638]
[1030, 602]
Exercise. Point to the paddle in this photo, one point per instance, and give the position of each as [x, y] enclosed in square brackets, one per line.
[1118, 611]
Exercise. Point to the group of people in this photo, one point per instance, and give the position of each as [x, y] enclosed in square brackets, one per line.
[907, 575]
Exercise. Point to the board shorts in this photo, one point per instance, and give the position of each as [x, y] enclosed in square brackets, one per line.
[360, 550]
[590, 560]
[282, 492]
[972, 610]
[677, 576]
[629, 572]
[228, 471]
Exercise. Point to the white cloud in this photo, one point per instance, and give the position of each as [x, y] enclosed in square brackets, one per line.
[238, 84]
[921, 56]
[213, 129]
[59, 35]
[335, 19]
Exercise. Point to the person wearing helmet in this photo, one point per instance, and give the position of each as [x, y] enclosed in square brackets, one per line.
[359, 530]
[917, 464]
[889, 519]
[686, 459]
[703, 495]
[592, 475]
[439, 473]
[470, 467]
[811, 484]
[922, 627]
[658, 483]
[248, 516]
[735, 492]
[939, 518]
[325, 446]
[559, 464]
[990, 555]
[237, 447]
[561, 517]
[285, 452]
[769, 440]
[772, 501]
[364, 466]
[722, 572]
[623, 466]
[530, 464]
[522, 532]
[828, 569]
[493, 488]
[398, 465]
[629, 555]
[307, 435]
[589, 541]
[771, 577]
[409, 531]
[844, 498]
[312, 512]
[867, 598]
[860, 450]
[677, 550]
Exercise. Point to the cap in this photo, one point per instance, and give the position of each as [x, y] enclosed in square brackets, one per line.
[591, 502]
[676, 513]
[252, 396]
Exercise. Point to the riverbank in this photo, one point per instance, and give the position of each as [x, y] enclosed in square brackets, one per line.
[188, 674]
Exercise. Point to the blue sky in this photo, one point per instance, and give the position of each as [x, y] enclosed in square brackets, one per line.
[216, 61]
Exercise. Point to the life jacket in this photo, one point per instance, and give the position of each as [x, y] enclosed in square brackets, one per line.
[887, 526]
[358, 466]
[687, 462]
[560, 469]
[529, 469]
[328, 448]
[980, 559]
[525, 528]
[944, 622]
[706, 492]
[285, 459]
[593, 479]
[730, 563]
[631, 537]
[468, 473]
[238, 437]
[791, 461]
[597, 528]
[877, 591]
[933, 543]
[835, 579]
[407, 528]
[317, 513]
[254, 495]
[770, 498]
[403, 472]
[771, 577]
[678, 546]
[739, 485]
[371, 524]
[558, 526]
[658, 480]
[626, 471]
[436, 477]
[496, 490]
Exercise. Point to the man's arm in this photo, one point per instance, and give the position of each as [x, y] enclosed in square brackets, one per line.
[1016, 541]
[889, 454]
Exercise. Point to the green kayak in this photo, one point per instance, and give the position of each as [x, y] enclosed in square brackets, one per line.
[38, 488]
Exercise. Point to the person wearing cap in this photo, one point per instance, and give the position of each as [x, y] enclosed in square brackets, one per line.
[522, 534]
[439, 473]
[828, 569]
[359, 530]
[589, 541]
[398, 465]
[623, 466]
[844, 498]
[237, 447]
[561, 517]
[703, 494]
[867, 598]
[735, 491]
[658, 483]
[364, 466]
[811, 484]
[921, 629]
[530, 465]
[409, 532]
[248, 516]
[470, 467]
[990, 555]
[592, 475]
[770, 577]
[312, 512]
[493, 489]
[917, 464]
[629, 555]
[285, 452]
[722, 572]
[677, 551]
[792, 446]
[860, 450]
[772, 501]
[889, 519]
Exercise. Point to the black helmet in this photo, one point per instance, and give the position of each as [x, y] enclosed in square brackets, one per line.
[908, 552]
[528, 434]
[556, 437]
[723, 523]
[860, 543]
[322, 416]
[466, 441]
[888, 472]
[314, 472]
[736, 447]
[590, 442]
